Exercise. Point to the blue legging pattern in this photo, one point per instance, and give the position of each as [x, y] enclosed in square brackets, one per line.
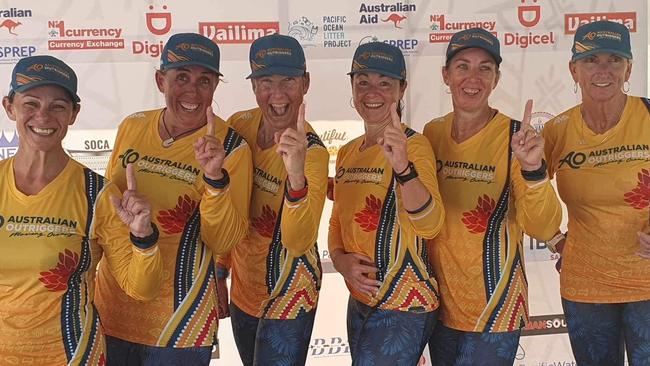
[451, 347]
[387, 337]
[271, 342]
[601, 333]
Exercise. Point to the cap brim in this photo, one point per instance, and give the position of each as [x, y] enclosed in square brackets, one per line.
[276, 70]
[35, 84]
[497, 58]
[380, 72]
[176, 65]
[601, 50]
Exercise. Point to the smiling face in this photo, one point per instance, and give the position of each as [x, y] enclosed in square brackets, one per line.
[373, 94]
[188, 92]
[601, 75]
[471, 75]
[279, 97]
[42, 115]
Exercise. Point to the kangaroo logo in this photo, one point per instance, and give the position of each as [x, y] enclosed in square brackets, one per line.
[396, 19]
[10, 25]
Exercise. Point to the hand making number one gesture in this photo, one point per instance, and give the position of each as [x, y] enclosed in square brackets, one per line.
[393, 142]
[527, 144]
[209, 151]
[292, 146]
[132, 208]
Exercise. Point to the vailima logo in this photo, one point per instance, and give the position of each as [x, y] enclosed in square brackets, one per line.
[575, 20]
[237, 32]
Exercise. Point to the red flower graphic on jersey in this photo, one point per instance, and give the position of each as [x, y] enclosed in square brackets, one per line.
[265, 223]
[639, 197]
[476, 220]
[173, 221]
[368, 218]
[56, 279]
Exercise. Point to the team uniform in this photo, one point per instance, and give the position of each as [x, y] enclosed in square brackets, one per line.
[276, 272]
[478, 255]
[197, 217]
[604, 180]
[368, 218]
[52, 242]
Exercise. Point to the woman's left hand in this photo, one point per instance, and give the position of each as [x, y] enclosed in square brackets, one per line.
[527, 144]
[133, 209]
[394, 142]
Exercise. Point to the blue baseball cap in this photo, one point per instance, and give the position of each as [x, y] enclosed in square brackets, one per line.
[186, 49]
[34, 71]
[379, 57]
[276, 54]
[474, 38]
[601, 36]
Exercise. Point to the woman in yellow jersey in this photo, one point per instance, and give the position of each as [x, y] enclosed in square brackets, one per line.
[493, 183]
[599, 153]
[276, 268]
[56, 220]
[386, 203]
[196, 172]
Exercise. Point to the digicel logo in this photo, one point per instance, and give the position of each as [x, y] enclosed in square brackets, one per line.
[573, 21]
[237, 32]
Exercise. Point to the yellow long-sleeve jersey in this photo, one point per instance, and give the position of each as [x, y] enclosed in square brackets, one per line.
[276, 272]
[51, 244]
[478, 255]
[604, 180]
[368, 217]
[197, 220]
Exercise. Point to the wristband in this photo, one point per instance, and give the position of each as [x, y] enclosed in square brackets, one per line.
[148, 241]
[218, 184]
[403, 178]
[535, 175]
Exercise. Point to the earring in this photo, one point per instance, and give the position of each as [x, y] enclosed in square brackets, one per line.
[626, 89]
[448, 91]
[351, 103]
[575, 87]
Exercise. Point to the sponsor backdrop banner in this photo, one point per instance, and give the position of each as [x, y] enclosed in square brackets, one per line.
[114, 46]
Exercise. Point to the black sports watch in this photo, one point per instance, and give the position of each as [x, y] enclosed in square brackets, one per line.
[412, 174]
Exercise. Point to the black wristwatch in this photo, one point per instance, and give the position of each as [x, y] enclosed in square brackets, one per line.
[412, 174]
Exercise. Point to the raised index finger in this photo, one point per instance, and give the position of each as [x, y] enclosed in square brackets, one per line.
[300, 123]
[528, 111]
[130, 177]
[210, 121]
[395, 117]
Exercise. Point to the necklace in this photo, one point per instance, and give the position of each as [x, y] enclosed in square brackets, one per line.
[170, 140]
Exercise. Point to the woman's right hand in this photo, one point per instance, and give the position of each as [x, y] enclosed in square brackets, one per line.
[355, 268]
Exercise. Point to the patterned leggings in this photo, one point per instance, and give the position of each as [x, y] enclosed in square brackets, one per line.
[387, 337]
[600, 333]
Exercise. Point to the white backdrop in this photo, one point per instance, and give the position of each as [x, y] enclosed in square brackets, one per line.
[114, 47]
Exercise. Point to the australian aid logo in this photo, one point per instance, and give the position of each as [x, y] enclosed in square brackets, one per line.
[12, 23]
[395, 14]
[237, 32]
[443, 26]
[159, 23]
[529, 15]
[63, 37]
[575, 20]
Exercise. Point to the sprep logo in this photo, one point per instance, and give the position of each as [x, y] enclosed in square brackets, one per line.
[130, 156]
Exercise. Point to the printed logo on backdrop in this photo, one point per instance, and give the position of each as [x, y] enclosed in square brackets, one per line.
[159, 23]
[334, 31]
[394, 14]
[237, 32]
[12, 23]
[545, 324]
[8, 148]
[575, 20]
[90, 148]
[443, 26]
[408, 46]
[529, 15]
[539, 119]
[62, 37]
[537, 251]
[329, 347]
[304, 31]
